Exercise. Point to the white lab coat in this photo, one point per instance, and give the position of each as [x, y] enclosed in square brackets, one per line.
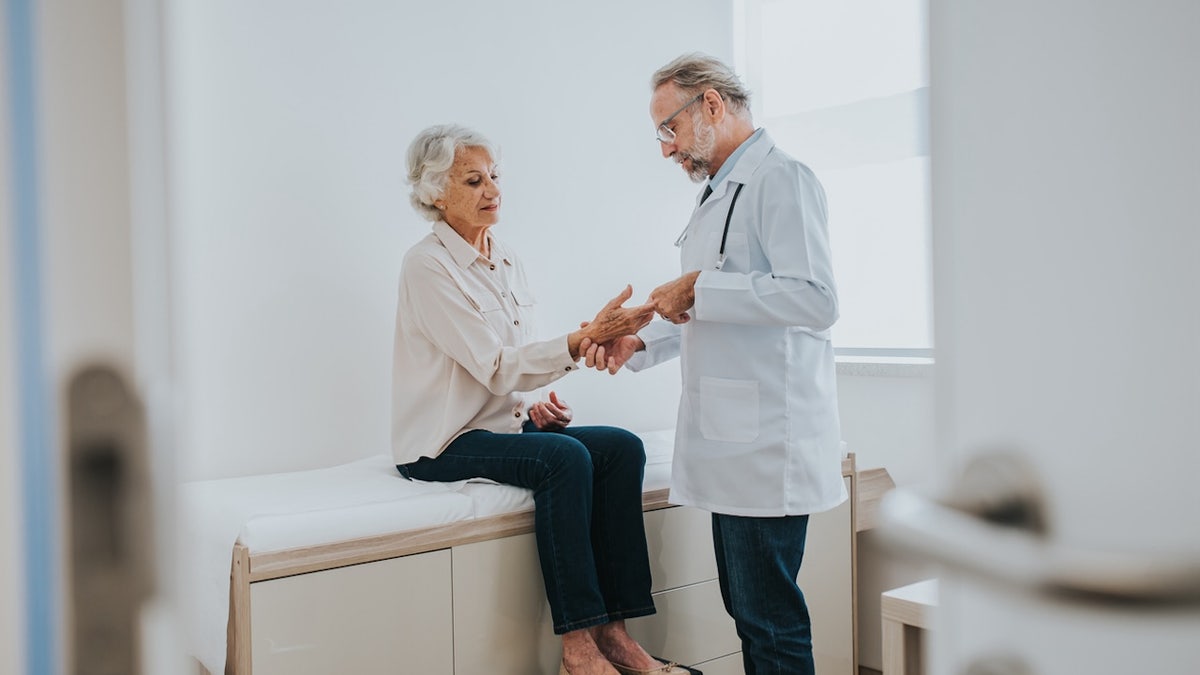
[758, 431]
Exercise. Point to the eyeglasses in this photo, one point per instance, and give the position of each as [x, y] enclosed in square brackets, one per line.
[666, 134]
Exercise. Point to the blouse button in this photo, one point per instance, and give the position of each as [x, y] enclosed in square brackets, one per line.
[517, 414]
[516, 322]
[491, 267]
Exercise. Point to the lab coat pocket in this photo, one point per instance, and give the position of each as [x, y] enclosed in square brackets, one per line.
[728, 409]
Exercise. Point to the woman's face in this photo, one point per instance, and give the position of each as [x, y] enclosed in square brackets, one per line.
[472, 198]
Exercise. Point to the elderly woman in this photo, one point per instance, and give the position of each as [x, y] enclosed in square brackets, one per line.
[464, 352]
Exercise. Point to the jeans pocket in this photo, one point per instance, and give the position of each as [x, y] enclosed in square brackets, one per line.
[729, 409]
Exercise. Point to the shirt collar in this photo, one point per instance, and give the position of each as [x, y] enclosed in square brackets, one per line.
[727, 167]
[464, 253]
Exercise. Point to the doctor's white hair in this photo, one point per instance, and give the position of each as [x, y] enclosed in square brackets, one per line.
[430, 156]
[695, 73]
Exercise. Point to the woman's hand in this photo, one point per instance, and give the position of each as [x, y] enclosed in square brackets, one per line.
[613, 354]
[552, 415]
[614, 321]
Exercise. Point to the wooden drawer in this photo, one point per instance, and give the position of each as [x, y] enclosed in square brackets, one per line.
[502, 622]
[691, 625]
[680, 543]
[382, 617]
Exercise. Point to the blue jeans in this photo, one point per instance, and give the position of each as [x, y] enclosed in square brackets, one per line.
[587, 494]
[757, 563]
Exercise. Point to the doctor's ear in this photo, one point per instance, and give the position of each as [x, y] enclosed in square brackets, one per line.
[713, 106]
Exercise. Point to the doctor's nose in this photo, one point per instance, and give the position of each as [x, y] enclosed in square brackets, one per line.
[668, 149]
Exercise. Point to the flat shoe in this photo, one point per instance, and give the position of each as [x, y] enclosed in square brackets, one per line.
[669, 668]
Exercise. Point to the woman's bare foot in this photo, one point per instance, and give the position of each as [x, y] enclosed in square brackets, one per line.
[581, 656]
[618, 647]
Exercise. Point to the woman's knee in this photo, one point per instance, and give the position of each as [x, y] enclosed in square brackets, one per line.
[628, 446]
[566, 457]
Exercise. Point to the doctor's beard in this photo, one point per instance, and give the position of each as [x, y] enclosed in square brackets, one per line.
[701, 151]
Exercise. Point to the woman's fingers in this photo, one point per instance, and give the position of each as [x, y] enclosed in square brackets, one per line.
[621, 298]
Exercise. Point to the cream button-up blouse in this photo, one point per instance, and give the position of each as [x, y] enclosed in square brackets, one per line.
[465, 350]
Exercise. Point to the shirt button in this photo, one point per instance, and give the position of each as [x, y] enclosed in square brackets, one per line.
[569, 368]
[491, 267]
[517, 413]
[516, 322]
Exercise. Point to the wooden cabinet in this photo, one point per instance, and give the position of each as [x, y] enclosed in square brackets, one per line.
[468, 598]
[384, 617]
[692, 626]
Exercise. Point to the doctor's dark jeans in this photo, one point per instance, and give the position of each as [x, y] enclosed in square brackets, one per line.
[757, 563]
[587, 493]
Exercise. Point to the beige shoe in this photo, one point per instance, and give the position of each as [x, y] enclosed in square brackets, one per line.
[671, 668]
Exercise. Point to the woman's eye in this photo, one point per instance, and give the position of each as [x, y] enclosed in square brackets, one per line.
[473, 181]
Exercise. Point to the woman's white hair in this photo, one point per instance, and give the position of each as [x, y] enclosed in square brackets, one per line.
[430, 156]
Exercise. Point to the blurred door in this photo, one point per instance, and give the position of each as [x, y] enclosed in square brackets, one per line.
[1065, 168]
[86, 313]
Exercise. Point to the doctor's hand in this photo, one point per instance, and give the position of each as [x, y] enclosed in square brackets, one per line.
[552, 415]
[672, 300]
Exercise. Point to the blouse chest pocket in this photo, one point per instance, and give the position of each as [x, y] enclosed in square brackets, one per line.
[523, 301]
[491, 308]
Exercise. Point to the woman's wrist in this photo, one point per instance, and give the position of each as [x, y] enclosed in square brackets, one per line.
[574, 340]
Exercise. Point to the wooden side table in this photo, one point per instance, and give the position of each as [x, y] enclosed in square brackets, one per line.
[907, 613]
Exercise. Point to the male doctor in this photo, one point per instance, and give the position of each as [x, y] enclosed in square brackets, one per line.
[758, 439]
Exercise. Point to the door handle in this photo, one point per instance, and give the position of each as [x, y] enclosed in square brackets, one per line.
[110, 555]
[992, 524]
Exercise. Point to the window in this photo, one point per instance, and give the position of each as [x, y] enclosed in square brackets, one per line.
[843, 86]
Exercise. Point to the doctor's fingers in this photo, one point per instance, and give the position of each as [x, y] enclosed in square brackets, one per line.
[589, 355]
[601, 361]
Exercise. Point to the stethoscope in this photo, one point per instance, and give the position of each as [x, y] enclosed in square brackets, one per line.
[724, 233]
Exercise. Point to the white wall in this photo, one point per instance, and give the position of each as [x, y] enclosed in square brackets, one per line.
[887, 421]
[287, 127]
